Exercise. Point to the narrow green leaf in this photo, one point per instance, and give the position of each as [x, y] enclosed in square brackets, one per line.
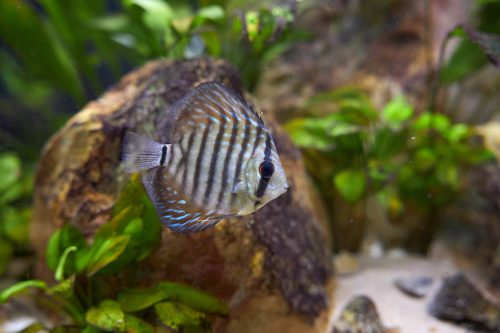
[34, 328]
[351, 184]
[107, 316]
[19, 287]
[107, 252]
[213, 12]
[37, 46]
[59, 275]
[177, 316]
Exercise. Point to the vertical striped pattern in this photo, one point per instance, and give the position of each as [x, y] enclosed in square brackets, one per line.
[218, 132]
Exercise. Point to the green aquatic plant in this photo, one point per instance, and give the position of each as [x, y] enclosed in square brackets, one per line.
[406, 161]
[66, 55]
[15, 211]
[80, 48]
[83, 275]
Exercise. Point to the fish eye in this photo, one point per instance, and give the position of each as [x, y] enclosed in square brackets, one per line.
[266, 169]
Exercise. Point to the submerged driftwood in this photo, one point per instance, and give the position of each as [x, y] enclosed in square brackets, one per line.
[273, 267]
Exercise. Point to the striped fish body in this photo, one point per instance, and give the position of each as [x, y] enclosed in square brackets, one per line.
[221, 160]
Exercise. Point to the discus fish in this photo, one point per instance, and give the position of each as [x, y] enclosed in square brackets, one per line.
[220, 160]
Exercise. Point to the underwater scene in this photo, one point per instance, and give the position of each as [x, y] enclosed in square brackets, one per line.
[250, 166]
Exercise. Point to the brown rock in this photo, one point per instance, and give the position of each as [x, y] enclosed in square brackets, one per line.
[459, 301]
[273, 267]
[360, 315]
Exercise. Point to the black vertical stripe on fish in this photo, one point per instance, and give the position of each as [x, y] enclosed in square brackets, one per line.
[257, 140]
[163, 155]
[182, 157]
[199, 159]
[263, 182]
[244, 144]
[214, 159]
[268, 148]
[170, 157]
[185, 156]
[229, 153]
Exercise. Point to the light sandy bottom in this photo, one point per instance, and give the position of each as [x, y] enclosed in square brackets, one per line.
[397, 310]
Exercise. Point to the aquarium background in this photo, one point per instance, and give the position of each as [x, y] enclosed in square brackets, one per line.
[394, 106]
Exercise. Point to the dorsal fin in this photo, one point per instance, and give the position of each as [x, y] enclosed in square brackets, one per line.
[208, 101]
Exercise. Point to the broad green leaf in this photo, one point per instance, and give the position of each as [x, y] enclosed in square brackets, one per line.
[157, 13]
[397, 111]
[351, 184]
[10, 170]
[448, 174]
[458, 132]
[107, 316]
[82, 259]
[131, 195]
[133, 227]
[19, 287]
[121, 221]
[466, 59]
[338, 129]
[14, 223]
[193, 297]
[136, 325]
[429, 120]
[177, 316]
[388, 142]
[133, 300]
[53, 251]
[60, 240]
[133, 249]
[59, 275]
[150, 236]
[489, 44]
[425, 159]
[310, 133]
[106, 252]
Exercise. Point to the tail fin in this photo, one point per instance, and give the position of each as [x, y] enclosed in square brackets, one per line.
[140, 153]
